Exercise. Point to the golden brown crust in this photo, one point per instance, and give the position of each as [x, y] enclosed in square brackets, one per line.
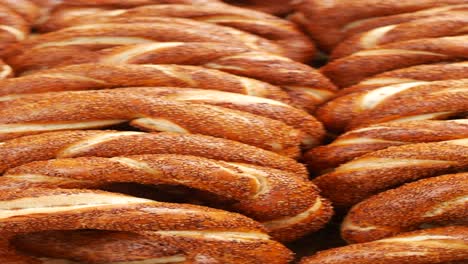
[436, 100]
[387, 168]
[352, 69]
[305, 85]
[283, 32]
[312, 129]
[146, 30]
[327, 21]
[431, 246]
[438, 26]
[435, 201]
[265, 194]
[27, 9]
[94, 109]
[220, 235]
[13, 28]
[82, 143]
[425, 72]
[358, 142]
[103, 76]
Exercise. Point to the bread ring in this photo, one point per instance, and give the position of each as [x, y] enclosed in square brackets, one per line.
[425, 72]
[395, 103]
[438, 26]
[87, 143]
[289, 203]
[430, 246]
[305, 85]
[95, 109]
[313, 131]
[328, 21]
[383, 169]
[147, 30]
[221, 236]
[282, 32]
[352, 69]
[356, 143]
[102, 76]
[13, 28]
[438, 200]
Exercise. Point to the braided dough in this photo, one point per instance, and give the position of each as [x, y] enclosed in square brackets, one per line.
[383, 169]
[282, 32]
[95, 109]
[396, 103]
[313, 131]
[306, 86]
[289, 204]
[356, 143]
[172, 228]
[95, 143]
[438, 200]
[328, 22]
[352, 69]
[102, 76]
[439, 26]
[425, 72]
[27, 9]
[431, 246]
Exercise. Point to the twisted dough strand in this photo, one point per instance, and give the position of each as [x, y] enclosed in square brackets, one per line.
[425, 72]
[431, 246]
[383, 169]
[13, 28]
[5, 70]
[102, 76]
[86, 143]
[439, 26]
[438, 200]
[395, 103]
[328, 21]
[306, 86]
[94, 109]
[221, 236]
[356, 143]
[283, 32]
[312, 129]
[356, 67]
[289, 203]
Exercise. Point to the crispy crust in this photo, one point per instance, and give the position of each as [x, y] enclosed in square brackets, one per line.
[220, 235]
[103, 76]
[13, 28]
[356, 143]
[313, 130]
[28, 10]
[265, 194]
[436, 100]
[70, 144]
[327, 21]
[305, 85]
[438, 200]
[431, 246]
[283, 32]
[429, 72]
[352, 69]
[103, 108]
[269, 6]
[146, 30]
[387, 168]
[439, 26]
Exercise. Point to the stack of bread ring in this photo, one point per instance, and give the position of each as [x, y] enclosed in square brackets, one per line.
[198, 131]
